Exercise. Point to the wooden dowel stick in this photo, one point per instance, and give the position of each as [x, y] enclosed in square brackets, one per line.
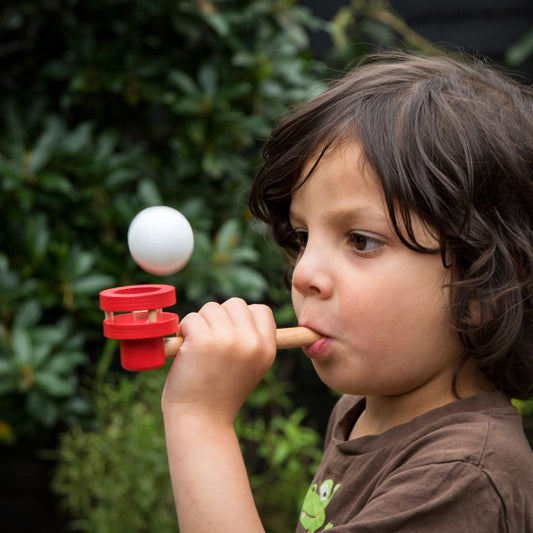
[285, 338]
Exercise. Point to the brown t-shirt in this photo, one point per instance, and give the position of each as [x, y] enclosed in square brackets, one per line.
[464, 467]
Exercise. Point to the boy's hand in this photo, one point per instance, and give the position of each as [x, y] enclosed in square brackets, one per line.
[227, 349]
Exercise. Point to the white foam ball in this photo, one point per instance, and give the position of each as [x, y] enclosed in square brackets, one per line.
[160, 240]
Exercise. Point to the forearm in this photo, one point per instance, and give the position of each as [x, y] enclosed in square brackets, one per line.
[227, 349]
[209, 478]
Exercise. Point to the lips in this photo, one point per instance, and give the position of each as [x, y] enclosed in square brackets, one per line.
[312, 320]
[317, 350]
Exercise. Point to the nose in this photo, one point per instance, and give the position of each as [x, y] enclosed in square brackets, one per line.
[313, 272]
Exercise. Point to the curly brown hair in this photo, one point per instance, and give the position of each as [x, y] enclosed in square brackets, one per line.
[452, 143]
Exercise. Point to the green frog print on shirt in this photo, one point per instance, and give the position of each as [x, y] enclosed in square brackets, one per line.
[313, 513]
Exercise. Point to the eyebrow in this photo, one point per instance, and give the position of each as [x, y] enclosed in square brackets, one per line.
[345, 216]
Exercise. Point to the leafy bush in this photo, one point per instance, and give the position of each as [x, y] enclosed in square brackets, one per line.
[131, 105]
[520, 50]
[112, 106]
[108, 107]
[115, 479]
[55, 241]
[363, 26]
[525, 407]
[38, 377]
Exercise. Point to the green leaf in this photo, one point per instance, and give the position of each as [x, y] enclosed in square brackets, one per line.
[49, 335]
[121, 176]
[54, 385]
[149, 193]
[208, 78]
[41, 408]
[105, 145]
[218, 23]
[53, 182]
[40, 354]
[244, 255]
[92, 284]
[78, 406]
[6, 367]
[21, 345]
[184, 82]
[37, 234]
[520, 50]
[45, 146]
[281, 453]
[28, 314]
[81, 263]
[228, 236]
[64, 362]
[78, 139]
[248, 281]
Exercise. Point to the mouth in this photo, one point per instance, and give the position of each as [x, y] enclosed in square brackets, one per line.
[306, 514]
[319, 348]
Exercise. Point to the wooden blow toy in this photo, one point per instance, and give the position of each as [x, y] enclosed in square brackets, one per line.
[142, 331]
[161, 241]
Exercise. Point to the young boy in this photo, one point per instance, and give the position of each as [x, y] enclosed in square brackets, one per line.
[404, 197]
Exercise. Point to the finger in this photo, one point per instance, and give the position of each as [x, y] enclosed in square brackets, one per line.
[239, 313]
[253, 322]
[263, 316]
[265, 324]
[215, 316]
[193, 324]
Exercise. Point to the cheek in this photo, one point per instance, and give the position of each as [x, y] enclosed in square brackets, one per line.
[401, 305]
[296, 301]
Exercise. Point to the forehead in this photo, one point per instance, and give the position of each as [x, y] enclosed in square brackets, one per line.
[341, 148]
[342, 188]
[339, 179]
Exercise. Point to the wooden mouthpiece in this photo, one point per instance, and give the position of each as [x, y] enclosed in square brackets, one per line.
[285, 338]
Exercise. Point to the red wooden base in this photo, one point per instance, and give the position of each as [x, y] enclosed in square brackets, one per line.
[140, 332]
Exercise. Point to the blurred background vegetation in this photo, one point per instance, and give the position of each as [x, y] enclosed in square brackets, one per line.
[111, 106]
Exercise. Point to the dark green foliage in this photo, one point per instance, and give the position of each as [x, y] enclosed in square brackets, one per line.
[110, 106]
[115, 479]
[107, 107]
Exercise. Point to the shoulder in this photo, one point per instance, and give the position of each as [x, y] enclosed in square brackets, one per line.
[485, 431]
[477, 452]
[471, 454]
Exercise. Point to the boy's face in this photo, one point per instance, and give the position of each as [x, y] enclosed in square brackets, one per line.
[383, 309]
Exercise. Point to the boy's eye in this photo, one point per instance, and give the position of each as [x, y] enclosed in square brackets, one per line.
[364, 243]
[300, 239]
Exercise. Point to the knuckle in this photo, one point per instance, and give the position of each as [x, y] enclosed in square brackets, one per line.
[262, 312]
[253, 345]
[209, 306]
[234, 302]
[190, 318]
